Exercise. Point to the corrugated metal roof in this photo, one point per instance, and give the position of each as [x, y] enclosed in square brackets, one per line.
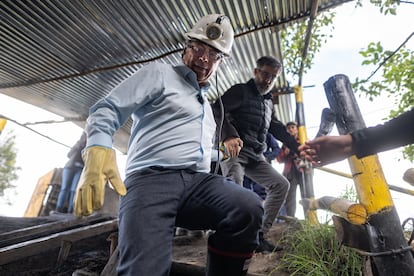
[64, 55]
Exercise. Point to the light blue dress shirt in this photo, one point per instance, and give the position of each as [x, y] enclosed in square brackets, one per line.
[170, 129]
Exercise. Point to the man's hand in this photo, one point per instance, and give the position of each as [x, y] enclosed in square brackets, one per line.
[100, 167]
[327, 149]
[233, 146]
[224, 152]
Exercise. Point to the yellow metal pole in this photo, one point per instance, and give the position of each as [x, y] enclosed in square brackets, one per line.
[3, 122]
[300, 114]
[372, 189]
[307, 174]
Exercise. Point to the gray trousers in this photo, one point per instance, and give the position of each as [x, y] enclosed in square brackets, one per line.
[295, 180]
[158, 199]
[261, 172]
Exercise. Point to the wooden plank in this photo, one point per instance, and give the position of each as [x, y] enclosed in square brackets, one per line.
[29, 248]
[110, 267]
[36, 202]
[32, 232]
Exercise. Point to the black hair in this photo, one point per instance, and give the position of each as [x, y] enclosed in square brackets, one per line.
[269, 61]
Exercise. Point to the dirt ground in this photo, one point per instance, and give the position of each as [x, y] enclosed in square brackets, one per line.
[90, 257]
[191, 250]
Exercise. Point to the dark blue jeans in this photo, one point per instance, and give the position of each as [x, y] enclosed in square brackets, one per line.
[157, 200]
[70, 179]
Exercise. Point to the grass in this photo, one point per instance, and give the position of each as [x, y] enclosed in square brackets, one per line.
[313, 250]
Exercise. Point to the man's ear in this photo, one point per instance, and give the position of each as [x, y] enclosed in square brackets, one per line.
[279, 71]
[185, 49]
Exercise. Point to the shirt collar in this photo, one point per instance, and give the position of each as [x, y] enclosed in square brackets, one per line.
[189, 75]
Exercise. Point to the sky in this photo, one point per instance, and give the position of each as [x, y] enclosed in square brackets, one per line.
[354, 29]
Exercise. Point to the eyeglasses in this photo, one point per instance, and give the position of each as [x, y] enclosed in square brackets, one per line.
[267, 75]
[199, 50]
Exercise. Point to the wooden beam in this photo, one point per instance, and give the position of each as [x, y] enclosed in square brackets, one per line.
[36, 202]
[44, 229]
[351, 211]
[36, 246]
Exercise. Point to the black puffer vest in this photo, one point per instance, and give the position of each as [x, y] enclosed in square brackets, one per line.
[252, 119]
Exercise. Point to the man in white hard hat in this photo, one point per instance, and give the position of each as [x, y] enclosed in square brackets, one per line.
[167, 172]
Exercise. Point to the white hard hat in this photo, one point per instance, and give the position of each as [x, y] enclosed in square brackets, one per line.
[214, 30]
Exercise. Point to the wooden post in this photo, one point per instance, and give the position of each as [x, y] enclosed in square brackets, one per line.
[36, 201]
[389, 250]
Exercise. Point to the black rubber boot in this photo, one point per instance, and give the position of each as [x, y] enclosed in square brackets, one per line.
[227, 265]
[266, 246]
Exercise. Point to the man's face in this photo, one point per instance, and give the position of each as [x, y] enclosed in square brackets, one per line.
[293, 130]
[202, 59]
[265, 77]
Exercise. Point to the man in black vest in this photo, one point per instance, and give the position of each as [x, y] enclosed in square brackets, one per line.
[248, 116]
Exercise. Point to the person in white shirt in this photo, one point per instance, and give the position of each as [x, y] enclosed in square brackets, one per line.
[168, 181]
